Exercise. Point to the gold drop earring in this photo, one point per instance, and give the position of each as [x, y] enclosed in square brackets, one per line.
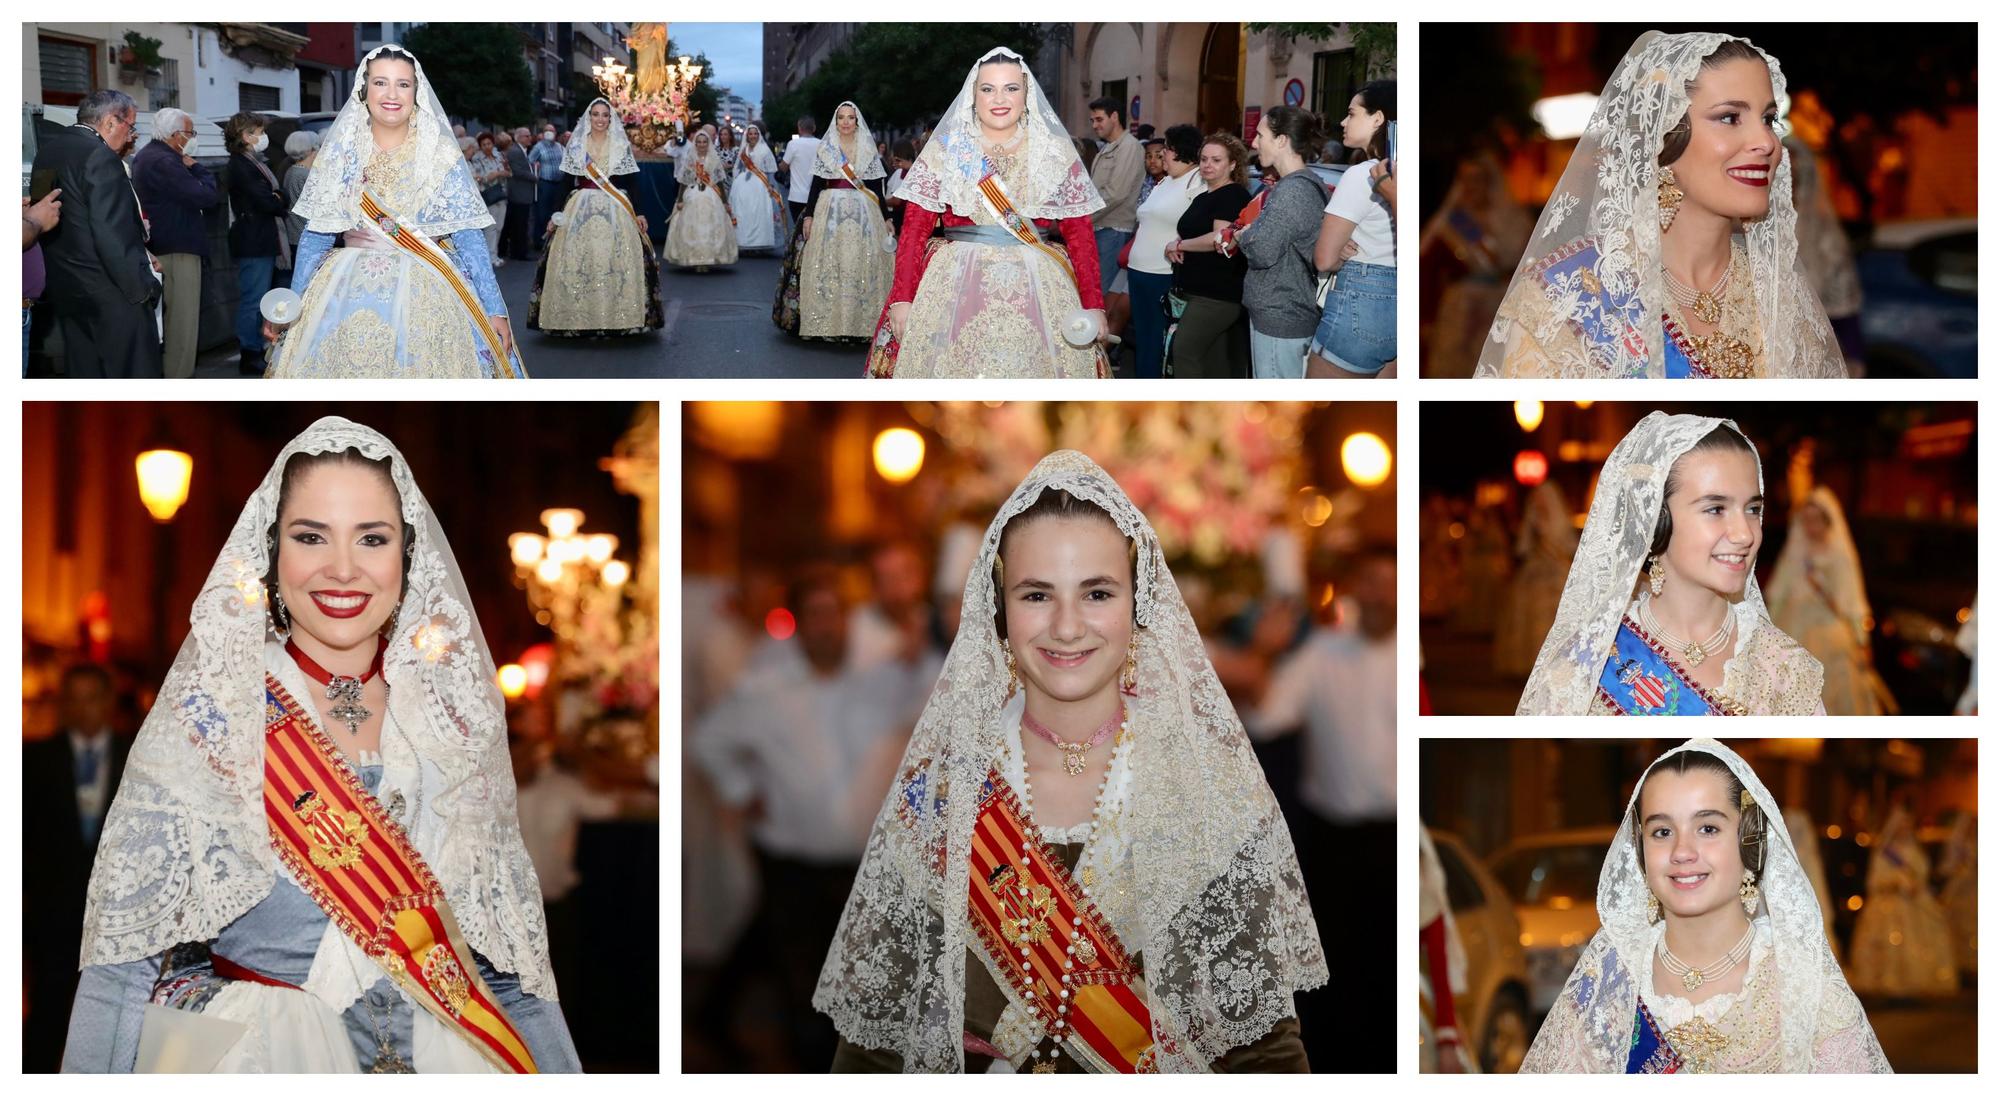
[1013, 673]
[1652, 908]
[1656, 576]
[1670, 198]
[1748, 893]
[1129, 680]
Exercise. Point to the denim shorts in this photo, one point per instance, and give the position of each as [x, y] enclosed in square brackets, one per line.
[1358, 329]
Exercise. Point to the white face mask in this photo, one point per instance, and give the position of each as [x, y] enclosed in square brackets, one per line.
[192, 148]
[549, 135]
[263, 142]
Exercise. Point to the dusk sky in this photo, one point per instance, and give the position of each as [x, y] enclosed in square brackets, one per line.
[737, 49]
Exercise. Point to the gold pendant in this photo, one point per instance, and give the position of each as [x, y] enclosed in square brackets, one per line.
[1707, 308]
[1045, 1067]
[1692, 979]
[1073, 758]
[1694, 656]
[1086, 952]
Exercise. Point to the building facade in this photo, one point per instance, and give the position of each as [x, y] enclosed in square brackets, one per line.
[794, 51]
[210, 70]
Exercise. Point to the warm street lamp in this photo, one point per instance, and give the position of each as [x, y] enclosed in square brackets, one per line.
[163, 481]
[1366, 459]
[899, 454]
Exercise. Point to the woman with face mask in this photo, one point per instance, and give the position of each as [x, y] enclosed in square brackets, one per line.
[598, 276]
[410, 290]
[1661, 613]
[313, 862]
[257, 238]
[1710, 956]
[1670, 248]
[996, 269]
[1080, 867]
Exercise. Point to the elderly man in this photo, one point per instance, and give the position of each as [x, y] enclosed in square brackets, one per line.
[1118, 171]
[547, 156]
[520, 196]
[101, 284]
[175, 190]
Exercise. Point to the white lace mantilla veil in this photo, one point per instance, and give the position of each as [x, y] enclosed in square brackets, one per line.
[1823, 1028]
[186, 848]
[684, 165]
[1604, 574]
[1219, 914]
[1842, 582]
[1609, 198]
[435, 196]
[618, 160]
[867, 162]
[947, 171]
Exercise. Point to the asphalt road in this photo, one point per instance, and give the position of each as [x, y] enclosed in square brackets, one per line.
[719, 325]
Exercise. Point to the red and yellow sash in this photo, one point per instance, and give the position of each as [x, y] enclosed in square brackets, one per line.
[853, 180]
[359, 866]
[416, 243]
[751, 166]
[604, 184]
[1002, 208]
[1044, 934]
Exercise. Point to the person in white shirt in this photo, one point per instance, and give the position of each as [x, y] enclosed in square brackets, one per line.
[804, 747]
[800, 152]
[1357, 240]
[1150, 274]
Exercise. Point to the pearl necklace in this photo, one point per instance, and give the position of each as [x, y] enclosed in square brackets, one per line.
[1705, 304]
[1693, 977]
[1694, 654]
[1080, 946]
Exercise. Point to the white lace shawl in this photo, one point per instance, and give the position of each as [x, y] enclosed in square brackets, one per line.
[762, 156]
[867, 159]
[1617, 537]
[947, 172]
[618, 158]
[437, 196]
[1220, 916]
[1823, 1029]
[185, 848]
[684, 166]
[1608, 199]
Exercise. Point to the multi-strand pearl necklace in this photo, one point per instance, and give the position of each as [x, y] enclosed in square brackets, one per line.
[1076, 937]
[1692, 976]
[1694, 653]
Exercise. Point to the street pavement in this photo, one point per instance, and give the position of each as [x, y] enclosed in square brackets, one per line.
[719, 325]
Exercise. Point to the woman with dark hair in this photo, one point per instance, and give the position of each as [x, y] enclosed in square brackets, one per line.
[257, 240]
[313, 863]
[1211, 337]
[1710, 954]
[1661, 614]
[1151, 273]
[1278, 244]
[1670, 247]
[1357, 329]
[410, 290]
[1079, 867]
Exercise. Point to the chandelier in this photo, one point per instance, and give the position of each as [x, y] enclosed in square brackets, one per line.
[651, 99]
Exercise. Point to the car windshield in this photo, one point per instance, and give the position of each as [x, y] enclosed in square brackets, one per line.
[1555, 875]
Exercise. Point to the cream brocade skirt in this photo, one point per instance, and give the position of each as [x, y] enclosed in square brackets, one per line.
[699, 234]
[844, 270]
[992, 310]
[376, 312]
[596, 274]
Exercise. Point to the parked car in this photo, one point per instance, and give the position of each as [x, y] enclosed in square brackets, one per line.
[1919, 302]
[1552, 879]
[1493, 1013]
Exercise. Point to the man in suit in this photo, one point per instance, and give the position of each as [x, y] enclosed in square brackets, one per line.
[520, 197]
[67, 781]
[101, 284]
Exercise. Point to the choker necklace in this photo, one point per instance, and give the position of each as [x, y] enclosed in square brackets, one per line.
[1694, 654]
[1073, 751]
[1706, 304]
[1693, 977]
[344, 691]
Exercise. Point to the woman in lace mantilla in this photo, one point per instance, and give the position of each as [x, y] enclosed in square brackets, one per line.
[1661, 613]
[1710, 956]
[313, 862]
[996, 253]
[1817, 594]
[701, 233]
[1080, 867]
[1670, 247]
[599, 276]
[410, 292]
[837, 270]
